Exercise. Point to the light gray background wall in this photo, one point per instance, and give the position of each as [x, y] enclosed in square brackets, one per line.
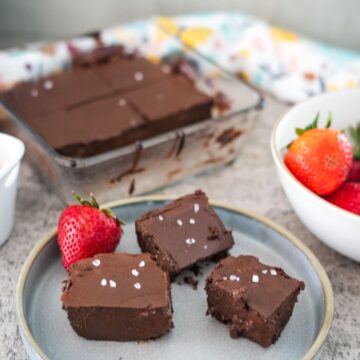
[333, 21]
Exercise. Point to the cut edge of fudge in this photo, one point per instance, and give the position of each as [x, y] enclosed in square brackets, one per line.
[211, 240]
[98, 301]
[78, 133]
[242, 299]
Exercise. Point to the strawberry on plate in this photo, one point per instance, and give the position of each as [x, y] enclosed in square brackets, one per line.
[320, 158]
[85, 230]
[354, 174]
[347, 197]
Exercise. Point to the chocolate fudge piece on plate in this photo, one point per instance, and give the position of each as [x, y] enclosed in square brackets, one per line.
[182, 233]
[92, 128]
[171, 103]
[256, 300]
[57, 92]
[119, 297]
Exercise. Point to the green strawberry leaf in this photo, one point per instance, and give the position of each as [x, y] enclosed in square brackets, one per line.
[355, 135]
[94, 204]
[329, 121]
[313, 125]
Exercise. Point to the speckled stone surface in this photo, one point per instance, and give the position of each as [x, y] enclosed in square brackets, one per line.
[254, 185]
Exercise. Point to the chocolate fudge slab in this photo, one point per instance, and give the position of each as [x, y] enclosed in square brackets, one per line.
[171, 103]
[129, 73]
[118, 297]
[92, 128]
[256, 300]
[182, 233]
[58, 92]
[98, 56]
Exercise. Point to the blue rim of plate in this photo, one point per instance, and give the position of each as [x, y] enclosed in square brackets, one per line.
[320, 271]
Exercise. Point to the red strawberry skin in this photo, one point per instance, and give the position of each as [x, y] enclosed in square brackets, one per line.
[354, 175]
[347, 197]
[84, 231]
[320, 159]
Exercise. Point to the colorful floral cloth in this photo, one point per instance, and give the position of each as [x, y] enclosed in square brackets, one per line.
[282, 63]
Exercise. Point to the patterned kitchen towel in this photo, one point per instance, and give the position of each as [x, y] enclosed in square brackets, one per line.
[289, 66]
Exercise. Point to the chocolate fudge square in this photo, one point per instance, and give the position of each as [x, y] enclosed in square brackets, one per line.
[58, 92]
[129, 73]
[118, 297]
[171, 103]
[182, 233]
[92, 128]
[256, 300]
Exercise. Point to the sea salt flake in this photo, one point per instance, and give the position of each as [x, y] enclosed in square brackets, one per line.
[192, 221]
[232, 277]
[264, 271]
[133, 122]
[48, 85]
[160, 97]
[103, 282]
[190, 241]
[34, 93]
[196, 208]
[134, 272]
[137, 286]
[142, 263]
[138, 76]
[224, 278]
[122, 102]
[237, 278]
[112, 283]
[166, 69]
[179, 222]
[96, 262]
[273, 272]
[205, 247]
[255, 278]
[161, 218]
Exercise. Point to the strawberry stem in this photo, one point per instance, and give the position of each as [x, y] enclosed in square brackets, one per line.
[313, 125]
[93, 203]
[355, 135]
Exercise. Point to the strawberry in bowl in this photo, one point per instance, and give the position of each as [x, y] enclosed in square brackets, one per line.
[85, 230]
[347, 197]
[354, 174]
[320, 158]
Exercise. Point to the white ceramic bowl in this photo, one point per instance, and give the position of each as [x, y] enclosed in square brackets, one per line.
[336, 227]
[11, 153]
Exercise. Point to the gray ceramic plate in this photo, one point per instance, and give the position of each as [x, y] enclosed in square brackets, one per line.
[47, 334]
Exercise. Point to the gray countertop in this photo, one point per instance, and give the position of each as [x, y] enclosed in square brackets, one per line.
[254, 185]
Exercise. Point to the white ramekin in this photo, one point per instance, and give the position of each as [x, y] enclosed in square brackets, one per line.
[11, 153]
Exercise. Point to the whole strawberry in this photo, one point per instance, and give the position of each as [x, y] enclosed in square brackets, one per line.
[320, 158]
[347, 197]
[85, 230]
[354, 174]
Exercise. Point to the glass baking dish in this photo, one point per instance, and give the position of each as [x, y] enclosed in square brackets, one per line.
[158, 161]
